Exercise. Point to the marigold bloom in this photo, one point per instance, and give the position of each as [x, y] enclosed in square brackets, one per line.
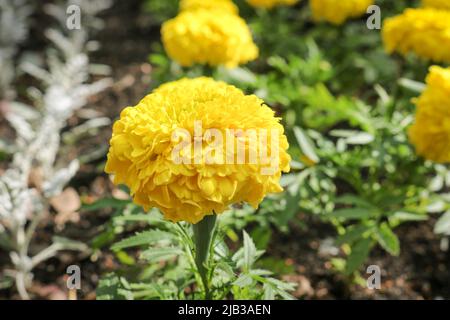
[211, 37]
[143, 144]
[268, 4]
[426, 32]
[438, 4]
[337, 12]
[430, 132]
[224, 5]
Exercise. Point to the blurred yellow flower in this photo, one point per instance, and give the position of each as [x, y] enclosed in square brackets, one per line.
[426, 32]
[210, 37]
[431, 131]
[147, 137]
[268, 4]
[438, 4]
[224, 5]
[337, 12]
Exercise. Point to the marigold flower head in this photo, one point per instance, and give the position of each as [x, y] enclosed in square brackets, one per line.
[438, 4]
[268, 4]
[430, 132]
[148, 136]
[224, 5]
[424, 31]
[337, 12]
[211, 37]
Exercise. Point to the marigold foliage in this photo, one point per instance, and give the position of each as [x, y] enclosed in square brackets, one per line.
[431, 131]
[141, 147]
[425, 31]
[224, 5]
[337, 12]
[438, 4]
[210, 37]
[268, 4]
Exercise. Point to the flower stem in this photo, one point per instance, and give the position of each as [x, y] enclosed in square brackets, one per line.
[203, 232]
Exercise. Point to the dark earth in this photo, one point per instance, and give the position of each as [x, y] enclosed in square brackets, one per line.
[419, 272]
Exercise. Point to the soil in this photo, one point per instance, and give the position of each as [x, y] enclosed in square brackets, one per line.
[420, 272]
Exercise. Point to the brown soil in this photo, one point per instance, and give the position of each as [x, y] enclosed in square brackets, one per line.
[420, 272]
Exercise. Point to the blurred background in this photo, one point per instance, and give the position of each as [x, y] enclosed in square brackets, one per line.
[345, 104]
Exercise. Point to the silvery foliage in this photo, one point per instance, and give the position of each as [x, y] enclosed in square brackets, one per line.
[36, 147]
[441, 182]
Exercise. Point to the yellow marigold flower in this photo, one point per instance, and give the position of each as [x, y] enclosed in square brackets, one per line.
[268, 4]
[209, 37]
[147, 138]
[431, 131]
[425, 31]
[337, 12]
[224, 5]
[438, 4]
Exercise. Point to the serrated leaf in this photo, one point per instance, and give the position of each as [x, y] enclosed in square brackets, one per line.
[387, 239]
[249, 251]
[244, 280]
[269, 293]
[111, 287]
[160, 254]
[359, 254]
[143, 238]
[261, 272]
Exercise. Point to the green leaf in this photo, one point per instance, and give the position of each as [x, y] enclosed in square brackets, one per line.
[411, 85]
[354, 213]
[261, 272]
[148, 218]
[269, 293]
[125, 258]
[281, 288]
[359, 254]
[143, 238]
[291, 209]
[250, 253]
[112, 287]
[360, 138]
[261, 237]
[351, 199]
[103, 238]
[408, 216]
[238, 74]
[352, 234]
[160, 254]
[442, 226]
[305, 144]
[244, 280]
[105, 203]
[387, 239]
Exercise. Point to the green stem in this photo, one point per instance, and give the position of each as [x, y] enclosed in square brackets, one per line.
[203, 232]
[208, 71]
